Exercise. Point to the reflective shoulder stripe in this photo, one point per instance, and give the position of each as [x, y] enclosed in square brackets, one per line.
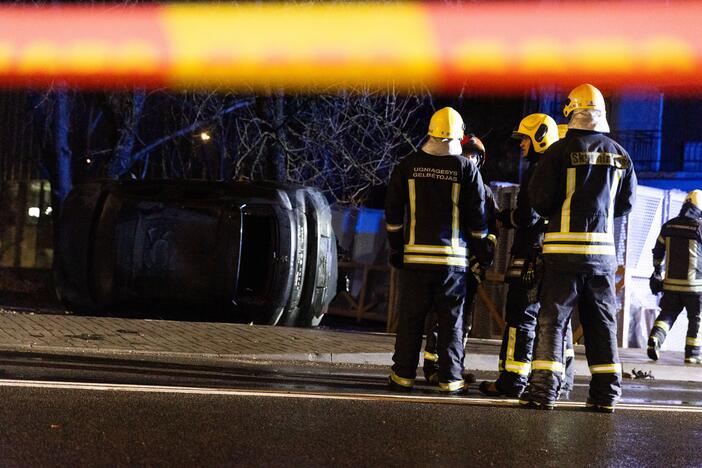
[452, 386]
[438, 260]
[401, 380]
[393, 227]
[455, 215]
[615, 368]
[660, 239]
[662, 325]
[492, 238]
[430, 356]
[565, 209]
[413, 209]
[578, 249]
[478, 234]
[693, 341]
[553, 366]
[612, 198]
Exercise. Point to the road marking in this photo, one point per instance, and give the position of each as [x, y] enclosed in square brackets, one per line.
[444, 400]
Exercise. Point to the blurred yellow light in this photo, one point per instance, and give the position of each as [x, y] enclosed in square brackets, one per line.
[204, 136]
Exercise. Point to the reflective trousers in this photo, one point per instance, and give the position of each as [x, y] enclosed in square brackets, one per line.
[518, 343]
[672, 304]
[561, 291]
[431, 356]
[420, 291]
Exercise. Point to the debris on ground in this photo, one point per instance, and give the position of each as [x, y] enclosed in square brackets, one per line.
[641, 374]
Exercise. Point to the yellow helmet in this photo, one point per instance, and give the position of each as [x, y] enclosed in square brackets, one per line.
[694, 198]
[446, 123]
[540, 128]
[584, 96]
[562, 130]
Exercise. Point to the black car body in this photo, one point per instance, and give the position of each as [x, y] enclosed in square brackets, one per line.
[261, 252]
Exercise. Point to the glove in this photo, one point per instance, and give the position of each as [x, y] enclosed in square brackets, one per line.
[655, 283]
[476, 270]
[396, 260]
[484, 252]
[532, 272]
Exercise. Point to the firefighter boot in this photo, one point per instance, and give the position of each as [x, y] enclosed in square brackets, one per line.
[599, 407]
[654, 348]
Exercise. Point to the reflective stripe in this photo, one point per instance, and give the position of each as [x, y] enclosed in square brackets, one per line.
[662, 325]
[453, 261]
[451, 386]
[518, 261]
[401, 380]
[570, 189]
[603, 237]
[479, 234]
[569, 353]
[612, 197]
[552, 366]
[667, 287]
[413, 207]
[511, 341]
[436, 249]
[660, 240]
[606, 369]
[693, 341]
[492, 238]
[692, 260]
[683, 282]
[667, 253]
[500, 365]
[455, 193]
[578, 249]
[393, 227]
[430, 356]
[516, 367]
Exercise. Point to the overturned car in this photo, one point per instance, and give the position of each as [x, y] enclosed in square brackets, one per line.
[261, 252]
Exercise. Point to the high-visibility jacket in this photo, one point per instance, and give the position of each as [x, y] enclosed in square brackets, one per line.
[680, 243]
[433, 206]
[581, 184]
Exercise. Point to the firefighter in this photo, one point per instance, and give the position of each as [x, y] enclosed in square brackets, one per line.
[680, 243]
[581, 185]
[435, 205]
[536, 133]
[474, 150]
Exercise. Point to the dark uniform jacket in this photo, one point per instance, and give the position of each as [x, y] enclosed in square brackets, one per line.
[680, 242]
[581, 184]
[434, 205]
[528, 225]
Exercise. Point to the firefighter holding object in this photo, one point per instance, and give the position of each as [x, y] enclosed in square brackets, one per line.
[582, 184]
[435, 206]
[474, 150]
[680, 244]
[536, 133]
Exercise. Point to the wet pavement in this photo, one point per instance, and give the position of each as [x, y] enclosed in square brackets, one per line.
[225, 344]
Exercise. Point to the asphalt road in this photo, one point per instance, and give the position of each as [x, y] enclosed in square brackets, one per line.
[56, 414]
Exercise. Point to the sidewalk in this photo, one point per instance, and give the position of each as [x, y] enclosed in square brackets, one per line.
[228, 344]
